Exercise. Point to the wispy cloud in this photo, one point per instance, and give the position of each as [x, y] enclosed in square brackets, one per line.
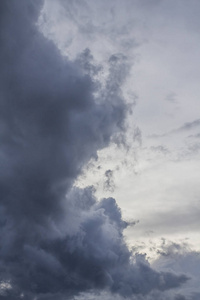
[184, 128]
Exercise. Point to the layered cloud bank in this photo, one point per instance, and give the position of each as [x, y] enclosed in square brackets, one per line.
[57, 240]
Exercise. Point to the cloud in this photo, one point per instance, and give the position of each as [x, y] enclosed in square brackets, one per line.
[179, 257]
[58, 240]
[184, 128]
[104, 26]
[160, 149]
[109, 184]
[171, 97]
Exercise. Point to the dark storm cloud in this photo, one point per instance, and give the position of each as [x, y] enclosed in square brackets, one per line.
[56, 240]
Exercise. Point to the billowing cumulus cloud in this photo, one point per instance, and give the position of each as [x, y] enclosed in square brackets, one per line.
[58, 240]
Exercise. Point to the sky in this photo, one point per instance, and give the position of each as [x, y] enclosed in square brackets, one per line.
[100, 144]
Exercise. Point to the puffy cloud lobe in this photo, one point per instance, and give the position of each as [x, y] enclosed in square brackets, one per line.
[51, 124]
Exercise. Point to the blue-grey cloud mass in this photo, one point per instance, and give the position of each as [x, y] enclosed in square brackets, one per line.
[57, 240]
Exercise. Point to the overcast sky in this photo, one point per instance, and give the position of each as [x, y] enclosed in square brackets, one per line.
[100, 145]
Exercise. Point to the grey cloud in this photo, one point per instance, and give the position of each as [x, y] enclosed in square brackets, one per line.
[137, 136]
[59, 241]
[184, 128]
[193, 148]
[195, 296]
[179, 297]
[184, 219]
[171, 97]
[194, 136]
[109, 184]
[89, 20]
[160, 149]
[155, 295]
[190, 125]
